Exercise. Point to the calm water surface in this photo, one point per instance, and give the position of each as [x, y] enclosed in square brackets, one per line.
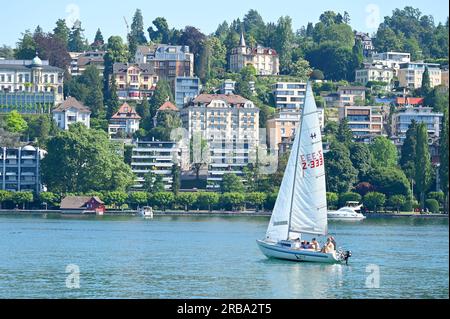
[200, 257]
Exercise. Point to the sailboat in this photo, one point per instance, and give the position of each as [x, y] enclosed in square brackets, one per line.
[301, 205]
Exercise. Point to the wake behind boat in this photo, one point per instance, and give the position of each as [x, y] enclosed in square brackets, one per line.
[301, 205]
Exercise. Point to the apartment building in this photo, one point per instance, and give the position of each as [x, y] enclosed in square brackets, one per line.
[230, 125]
[444, 77]
[410, 74]
[168, 61]
[71, 111]
[289, 95]
[134, 81]
[187, 88]
[125, 121]
[227, 87]
[366, 42]
[32, 76]
[365, 122]
[81, 60]
[265, 60]
[391, 60]
[157, 157]
[20, 169]
[351, 95]
[376, 72]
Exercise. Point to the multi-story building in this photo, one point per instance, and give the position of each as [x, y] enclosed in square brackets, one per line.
[157, 157]
[444, 77]
[230, 125]
[289, 95]
[376, 73]
[281, 129]
[125, 121]
[186, 89]
[404, 116]
[410, 74]
[71, 111]
[20, 169]
[265, 60]
[134, 81]
[27, 102]
[81, 60]
[366, 42]
[365, 122]
[168, 61]
[391, 60]
[33, 76]
[351, 95]
[227, 87]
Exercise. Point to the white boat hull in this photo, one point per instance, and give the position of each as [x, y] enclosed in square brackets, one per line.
[274, 250]
[346, 218]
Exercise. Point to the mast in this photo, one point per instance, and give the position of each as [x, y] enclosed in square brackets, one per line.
[296, 161]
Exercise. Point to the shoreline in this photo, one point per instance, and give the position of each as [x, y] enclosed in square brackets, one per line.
[132, 213]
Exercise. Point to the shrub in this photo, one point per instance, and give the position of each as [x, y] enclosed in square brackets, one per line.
[332, 199]
[439, 196]
[374, 200]
[432, 205]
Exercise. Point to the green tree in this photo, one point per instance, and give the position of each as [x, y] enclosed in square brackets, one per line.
[137, 199]
[87, 161]
[408, 151]
[231, 183]
[340, 173]
[186, 200]
[99, 42]
[22, 198]
[48, 198]
[233, 200]
[26, 47]
[205, 199]
[153, 182]
[432, 205]
[332, 199]
[426, 85]
[137, 35]
[5, 196]
[397, 201]
[176, 182]
[361, 159]
[423, 169]
[256, 199]
[443, 168]
[162, 199]
[61, 31]
[15, 122]
[389, 180]
[115, 198]
[384, 152]
[301, 69]
[344, 134]
[374, 200]
[77, 42]
[283, 40]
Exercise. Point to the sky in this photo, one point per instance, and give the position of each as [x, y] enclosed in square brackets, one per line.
[19, 15]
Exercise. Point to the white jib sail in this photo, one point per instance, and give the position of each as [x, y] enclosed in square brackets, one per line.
[301, 205]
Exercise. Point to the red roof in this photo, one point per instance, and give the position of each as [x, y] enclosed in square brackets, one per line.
[126, 112]
[168, 106]
[410, 101]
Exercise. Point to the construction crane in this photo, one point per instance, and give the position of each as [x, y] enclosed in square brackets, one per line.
[126, 23]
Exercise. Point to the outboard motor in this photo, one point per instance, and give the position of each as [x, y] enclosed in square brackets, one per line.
[347, 255]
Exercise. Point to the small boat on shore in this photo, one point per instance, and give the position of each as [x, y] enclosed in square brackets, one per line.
[146, 212]
[301, 205]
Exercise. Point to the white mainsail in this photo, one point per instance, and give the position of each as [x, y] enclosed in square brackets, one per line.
[301, 205]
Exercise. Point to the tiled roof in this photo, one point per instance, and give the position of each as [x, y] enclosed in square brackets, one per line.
[228, 98]
[410, 100]
[126, 112]
[72, 102]
[168, 106]
[145, 68]
[77, 202]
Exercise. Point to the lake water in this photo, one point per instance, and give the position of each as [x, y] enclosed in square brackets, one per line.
[215, 257]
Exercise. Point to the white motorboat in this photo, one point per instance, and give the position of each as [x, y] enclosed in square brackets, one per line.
[345, 213]
[146, 212]
[301, 205]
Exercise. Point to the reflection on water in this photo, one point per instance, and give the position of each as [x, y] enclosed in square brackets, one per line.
[213, 257]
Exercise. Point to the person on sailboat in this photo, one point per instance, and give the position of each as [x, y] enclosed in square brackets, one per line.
[315, 244]
[329, 246]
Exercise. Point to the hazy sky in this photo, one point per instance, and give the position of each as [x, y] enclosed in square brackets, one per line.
[18, 15]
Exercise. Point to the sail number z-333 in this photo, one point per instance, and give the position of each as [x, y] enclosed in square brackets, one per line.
[312, 160]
